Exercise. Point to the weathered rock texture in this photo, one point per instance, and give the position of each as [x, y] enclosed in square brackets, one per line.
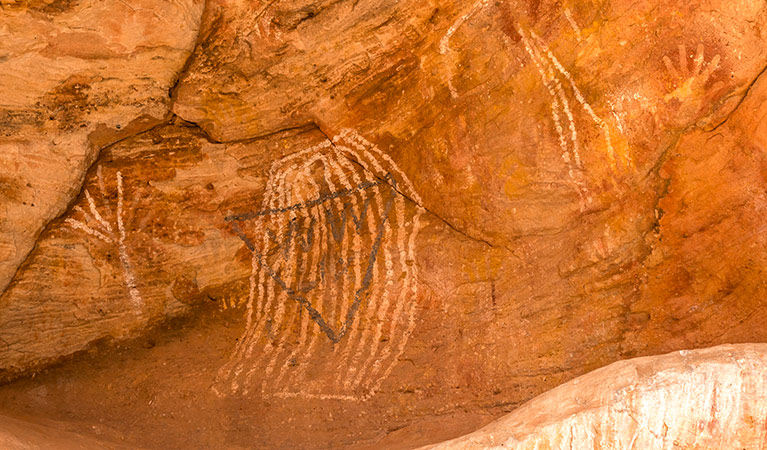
[437, 205]
[712, 398]
[75, 76]
[18, 434]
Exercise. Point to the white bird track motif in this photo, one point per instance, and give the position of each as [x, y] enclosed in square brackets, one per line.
[96, 225]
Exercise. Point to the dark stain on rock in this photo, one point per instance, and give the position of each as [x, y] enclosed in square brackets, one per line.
[103, 135]
[372, 95]
[509, 22]
[162, 151]
[54, 7]
[12, 120]
[10, 190]
[533, 8]
[290, 20]
[433, 17]
[185, 290]
[81, 45]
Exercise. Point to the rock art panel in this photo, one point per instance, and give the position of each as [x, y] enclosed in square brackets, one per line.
[493, 133]
[334, 262]
[331, 256]
[76, 77]
[593, 173]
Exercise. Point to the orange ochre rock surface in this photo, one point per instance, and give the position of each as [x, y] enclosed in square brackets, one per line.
[383, 223]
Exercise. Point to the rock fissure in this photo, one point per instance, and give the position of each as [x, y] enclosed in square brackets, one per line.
[746, 92]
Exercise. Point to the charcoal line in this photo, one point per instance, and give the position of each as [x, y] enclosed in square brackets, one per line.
[313, 313]
[308, 204]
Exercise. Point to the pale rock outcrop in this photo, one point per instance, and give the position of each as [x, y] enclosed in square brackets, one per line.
[714, 398]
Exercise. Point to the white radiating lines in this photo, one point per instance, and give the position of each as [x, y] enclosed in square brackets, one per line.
[331, 302]
[559, 101]
[94, 224]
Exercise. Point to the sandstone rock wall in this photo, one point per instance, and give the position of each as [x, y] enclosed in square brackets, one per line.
[77, 76]
[18, 434]
[455, 204]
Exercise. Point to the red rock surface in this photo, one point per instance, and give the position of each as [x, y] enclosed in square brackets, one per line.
[380, 215]
[18, 434]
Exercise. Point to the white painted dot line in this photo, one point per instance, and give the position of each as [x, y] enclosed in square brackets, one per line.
[356, 337]
[546, 78]
[413, 282]
[93, 223]
[388, 285]
[402, 299]
[304, 322]
[343, 348]
[328, 169]
[551, 82]
[573, 24]
[275, 301]
[378, 295]
[363, 144]
[560, 93]
[444, 43]
[74, 223]
[277, 322]
[102, 190]
[597, 120]
[130, 279]
[235, 367]
[309, 395]
[307, 346]
[95, 212]
[370, 163]
[312, 261]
